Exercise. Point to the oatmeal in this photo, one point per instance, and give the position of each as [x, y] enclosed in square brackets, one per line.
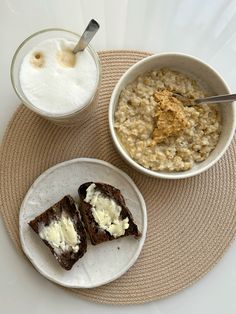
[157, 130]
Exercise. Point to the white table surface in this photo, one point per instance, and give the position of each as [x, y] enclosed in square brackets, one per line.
[203, 28]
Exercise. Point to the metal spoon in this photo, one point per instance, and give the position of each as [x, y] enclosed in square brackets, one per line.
[208, 100]
[87, 36]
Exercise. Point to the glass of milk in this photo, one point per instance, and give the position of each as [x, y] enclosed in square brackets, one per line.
[52, 81]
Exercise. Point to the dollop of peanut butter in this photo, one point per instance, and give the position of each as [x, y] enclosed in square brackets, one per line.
[66, 58]
[170, 117]
[37, 59]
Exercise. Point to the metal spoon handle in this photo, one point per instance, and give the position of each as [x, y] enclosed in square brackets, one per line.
[88, 34]
[215, 99]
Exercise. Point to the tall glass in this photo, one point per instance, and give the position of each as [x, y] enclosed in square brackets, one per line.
[71, 118]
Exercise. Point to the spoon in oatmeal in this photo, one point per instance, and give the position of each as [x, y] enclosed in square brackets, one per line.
[207, 100]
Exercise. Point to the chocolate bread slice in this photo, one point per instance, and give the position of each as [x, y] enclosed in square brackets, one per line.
[61, 229]
[104, 213]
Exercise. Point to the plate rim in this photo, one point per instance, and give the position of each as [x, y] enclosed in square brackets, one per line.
[143, 211]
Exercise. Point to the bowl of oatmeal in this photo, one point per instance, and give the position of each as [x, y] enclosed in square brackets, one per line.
[159, 134]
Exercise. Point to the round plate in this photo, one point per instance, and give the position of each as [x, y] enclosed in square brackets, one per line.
[102, 263]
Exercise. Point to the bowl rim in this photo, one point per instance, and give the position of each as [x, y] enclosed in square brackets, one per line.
[125, 155]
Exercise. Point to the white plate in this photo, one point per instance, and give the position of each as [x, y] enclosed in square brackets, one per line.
[102, 263]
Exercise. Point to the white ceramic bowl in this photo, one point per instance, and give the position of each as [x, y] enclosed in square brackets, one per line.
[196, 69]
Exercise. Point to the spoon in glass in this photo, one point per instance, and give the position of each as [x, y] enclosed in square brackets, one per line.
[87, 36]
[207, 100]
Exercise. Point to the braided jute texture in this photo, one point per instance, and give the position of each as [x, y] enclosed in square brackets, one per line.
[191, 222]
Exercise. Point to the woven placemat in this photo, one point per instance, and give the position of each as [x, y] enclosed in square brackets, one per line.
[191, 222]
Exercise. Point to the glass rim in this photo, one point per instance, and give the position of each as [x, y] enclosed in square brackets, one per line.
[24, 99]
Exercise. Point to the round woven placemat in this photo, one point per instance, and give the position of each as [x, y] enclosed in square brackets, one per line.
[191, 222]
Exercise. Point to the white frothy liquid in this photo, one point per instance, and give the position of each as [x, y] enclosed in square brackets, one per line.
[55, 80]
